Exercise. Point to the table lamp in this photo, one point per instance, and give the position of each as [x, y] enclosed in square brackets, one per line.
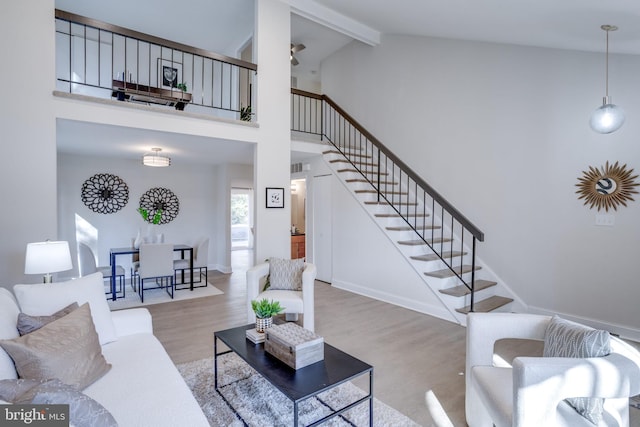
[46, 258]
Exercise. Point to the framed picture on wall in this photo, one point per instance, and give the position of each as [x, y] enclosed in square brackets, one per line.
[275, 197]
[169, 73]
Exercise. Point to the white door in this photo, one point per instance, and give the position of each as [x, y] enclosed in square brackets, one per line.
[322, 226]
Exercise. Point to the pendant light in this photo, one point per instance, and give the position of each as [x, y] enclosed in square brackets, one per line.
[156, 159]
[609, 117]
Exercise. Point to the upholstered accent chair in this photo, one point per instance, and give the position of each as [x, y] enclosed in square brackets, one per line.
[296, 297]
[541, 391]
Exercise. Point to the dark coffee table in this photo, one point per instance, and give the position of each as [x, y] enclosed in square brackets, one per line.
[301, 384]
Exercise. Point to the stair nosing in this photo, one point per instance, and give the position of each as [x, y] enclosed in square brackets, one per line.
[479, 307]
[445, 273]
[462, 290]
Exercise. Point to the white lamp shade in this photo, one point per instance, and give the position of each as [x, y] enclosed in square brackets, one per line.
[47, 257]
[607, 119]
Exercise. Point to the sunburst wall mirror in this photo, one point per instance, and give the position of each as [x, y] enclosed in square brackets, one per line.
[607, 187]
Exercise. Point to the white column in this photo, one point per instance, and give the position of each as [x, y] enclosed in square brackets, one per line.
[272, 155]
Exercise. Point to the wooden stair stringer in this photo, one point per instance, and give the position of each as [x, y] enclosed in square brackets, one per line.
[447, 289]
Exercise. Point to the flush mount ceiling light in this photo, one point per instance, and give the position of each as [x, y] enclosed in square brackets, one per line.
[156, 159]
[609, 117]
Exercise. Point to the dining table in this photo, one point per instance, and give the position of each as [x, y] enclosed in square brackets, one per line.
[130, 250]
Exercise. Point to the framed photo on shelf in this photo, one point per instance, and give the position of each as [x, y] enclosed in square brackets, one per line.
[169, 73]
[275, 197]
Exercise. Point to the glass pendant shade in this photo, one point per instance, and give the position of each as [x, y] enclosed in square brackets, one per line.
[608, 118]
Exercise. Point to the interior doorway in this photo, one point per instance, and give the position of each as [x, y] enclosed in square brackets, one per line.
[298, 206]
[241, 218]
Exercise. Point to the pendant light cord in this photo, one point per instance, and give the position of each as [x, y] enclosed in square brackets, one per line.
[606, 72]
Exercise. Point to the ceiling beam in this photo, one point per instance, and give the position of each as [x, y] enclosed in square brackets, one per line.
[320, 14]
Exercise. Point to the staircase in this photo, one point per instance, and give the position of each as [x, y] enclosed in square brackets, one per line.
[434, 238]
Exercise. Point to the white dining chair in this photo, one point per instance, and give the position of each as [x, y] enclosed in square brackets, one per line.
[200, 262]
[156, 262]
[87, 265]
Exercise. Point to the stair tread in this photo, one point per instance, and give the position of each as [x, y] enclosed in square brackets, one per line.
[357, 171]
[418, 227]
[486, 305]
[375, 202]
[445, 272]
[434, 257]
[347, 161]
[367, 181]
[462, 290]
[346, 153]
[418, 242]
[397, 215]
[388, 193]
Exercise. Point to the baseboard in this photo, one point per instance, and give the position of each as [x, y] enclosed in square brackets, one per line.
[407, 303]
[226, 269]
[622, 331]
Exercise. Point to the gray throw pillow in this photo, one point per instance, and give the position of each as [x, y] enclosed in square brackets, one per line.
[67, 349]
[286, 274]
[564, 338]
[83, 410]
[28, 324]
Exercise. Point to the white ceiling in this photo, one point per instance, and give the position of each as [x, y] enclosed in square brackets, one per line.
[563, 24]
[92, 139]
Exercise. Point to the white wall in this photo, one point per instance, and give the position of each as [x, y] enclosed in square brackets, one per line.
[366, 262]
[201, 190]
[27, 164]
[502, 132]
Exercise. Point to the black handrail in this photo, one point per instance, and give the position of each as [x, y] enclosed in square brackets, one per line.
[468, 225]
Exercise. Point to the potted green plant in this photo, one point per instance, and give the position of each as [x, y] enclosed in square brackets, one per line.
[150, 234]
[245, 113]
[265, 310]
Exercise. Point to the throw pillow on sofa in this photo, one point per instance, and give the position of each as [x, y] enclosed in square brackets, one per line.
[28, 324]
[83, 410]
[44, 299]
[67, 349]
[564, 338]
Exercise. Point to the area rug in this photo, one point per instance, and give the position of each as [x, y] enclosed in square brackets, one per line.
[253, 401]
[159, 296]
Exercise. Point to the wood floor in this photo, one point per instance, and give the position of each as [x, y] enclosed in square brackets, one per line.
[411, 352]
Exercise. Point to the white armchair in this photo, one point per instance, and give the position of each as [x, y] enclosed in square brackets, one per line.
[294, 302]
[531, 393]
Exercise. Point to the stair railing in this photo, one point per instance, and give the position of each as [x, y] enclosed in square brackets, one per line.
[102, 60]
[394, 182]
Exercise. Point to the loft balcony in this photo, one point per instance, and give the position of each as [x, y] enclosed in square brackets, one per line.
[101, 60]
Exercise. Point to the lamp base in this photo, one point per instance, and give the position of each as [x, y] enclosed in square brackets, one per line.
[47, 278]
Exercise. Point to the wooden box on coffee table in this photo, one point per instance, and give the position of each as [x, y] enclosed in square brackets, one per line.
[295, 346]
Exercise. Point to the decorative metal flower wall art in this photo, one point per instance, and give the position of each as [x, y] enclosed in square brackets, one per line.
[105, 193]
[607, 187]
[160, 200]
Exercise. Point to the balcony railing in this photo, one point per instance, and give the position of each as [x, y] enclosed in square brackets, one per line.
[103, 60]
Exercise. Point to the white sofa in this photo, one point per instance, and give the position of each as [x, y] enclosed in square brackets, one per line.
[143, 386]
